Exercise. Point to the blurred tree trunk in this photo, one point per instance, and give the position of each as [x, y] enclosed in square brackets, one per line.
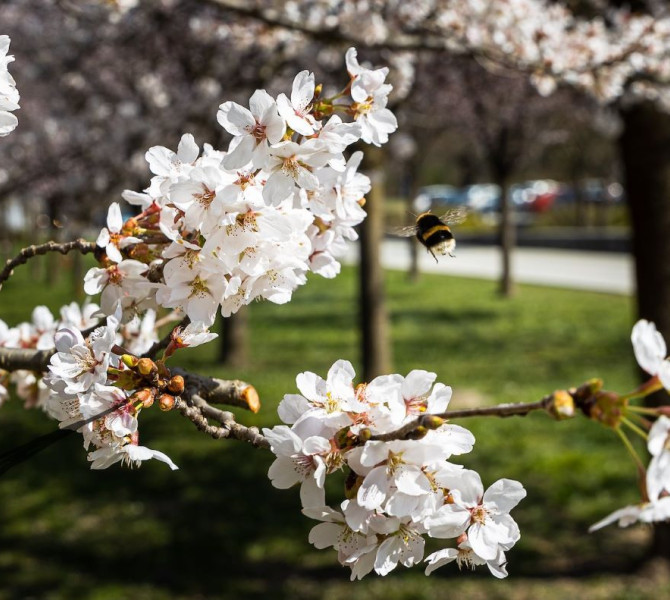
[233, 343]
[645, 154]
[53, 260]
[501, 160]
[507, 238]
[413, 167]
[375, 348]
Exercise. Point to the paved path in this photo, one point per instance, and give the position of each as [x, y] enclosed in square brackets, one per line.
[596, 271]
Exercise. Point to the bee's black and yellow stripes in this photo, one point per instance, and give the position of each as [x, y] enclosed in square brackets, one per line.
[431, 230]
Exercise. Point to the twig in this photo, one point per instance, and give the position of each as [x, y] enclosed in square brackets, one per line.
[31, 251]
[15, 359]
[15, 456]
[430, 40]
[218, 391]
[232, 392]
[198, 411]
[501, 410]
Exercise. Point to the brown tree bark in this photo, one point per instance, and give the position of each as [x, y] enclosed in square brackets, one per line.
[234, 340]
[507, 239]
[645, 153]
[375, 346]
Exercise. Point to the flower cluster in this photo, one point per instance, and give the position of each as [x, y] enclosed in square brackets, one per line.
[651, 354]
[84, 375]
[399, 488]
[9, 95]
[39, 334]
[220, 229]
[101, 396]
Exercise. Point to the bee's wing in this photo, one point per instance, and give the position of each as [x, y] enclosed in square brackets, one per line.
[404, 231]
[455, 216]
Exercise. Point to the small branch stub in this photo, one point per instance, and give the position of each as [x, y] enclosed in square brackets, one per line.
[216, 391]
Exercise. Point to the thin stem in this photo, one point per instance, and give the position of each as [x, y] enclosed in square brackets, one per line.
[26, 254]
[501, 410]
[628, 423]
[629, 447]
[648, 387]
[643, 410]
[14, 456]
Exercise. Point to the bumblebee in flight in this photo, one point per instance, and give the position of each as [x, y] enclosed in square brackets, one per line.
[434, 232]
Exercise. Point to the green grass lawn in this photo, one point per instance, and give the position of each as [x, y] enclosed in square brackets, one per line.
[217, 528]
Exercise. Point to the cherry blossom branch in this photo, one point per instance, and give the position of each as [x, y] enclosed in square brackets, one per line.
[26, 254]
[15, 359]
[520, 409]
[274, 18]
[436, 39]
[199, 412]
[217, 391]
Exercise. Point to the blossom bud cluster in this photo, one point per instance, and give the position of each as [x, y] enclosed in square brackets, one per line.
[220, 229]
[397, 491]
[39, 334]
[9, 95]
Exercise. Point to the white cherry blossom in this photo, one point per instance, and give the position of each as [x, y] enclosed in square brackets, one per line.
[485, 515]
[254, 129]
[9, 96]
[650, 351]
[296, 111]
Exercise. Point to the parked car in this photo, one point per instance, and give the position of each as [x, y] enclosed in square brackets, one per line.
[535, 196]
[438, 198]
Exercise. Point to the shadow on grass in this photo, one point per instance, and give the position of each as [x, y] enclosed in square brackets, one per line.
[215, 523]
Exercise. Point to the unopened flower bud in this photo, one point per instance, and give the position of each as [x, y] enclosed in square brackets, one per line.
[364, 435]
[562, 405]
[417, 433]
[145, 396]
[129, 360]
[176, 385]
[146, 366]
[166, 402]
[432, 422]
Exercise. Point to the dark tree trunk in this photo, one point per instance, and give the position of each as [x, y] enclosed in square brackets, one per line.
[53, 260]
[375, 349]
[645, 154]
[233, 343]
[413, 169]
[507, 238]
